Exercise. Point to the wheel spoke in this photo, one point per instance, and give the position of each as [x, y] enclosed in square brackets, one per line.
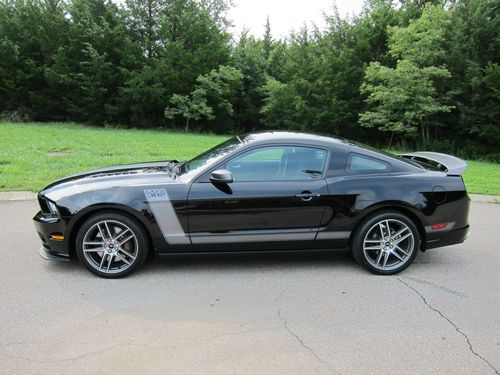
[381, 226]
[122, 233]
[401, 250]
[102, 260]
[123, 259]
[400, 239]
[386, 256]
[372, 247]
[379, 258]
[400, 232]
[107, 230]
[126, 239]
[109, 262]
[126, 253]
[93, 250]
[397, 256]
[372, 241]
[101, 232]
[95, 243]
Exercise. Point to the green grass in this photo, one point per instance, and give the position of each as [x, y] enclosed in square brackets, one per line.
[33, 155]
[482, 177]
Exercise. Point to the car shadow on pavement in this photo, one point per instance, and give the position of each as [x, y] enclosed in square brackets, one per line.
[250, 261]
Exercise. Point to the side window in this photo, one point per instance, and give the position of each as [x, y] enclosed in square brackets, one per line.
[278, 163]
[362, 163]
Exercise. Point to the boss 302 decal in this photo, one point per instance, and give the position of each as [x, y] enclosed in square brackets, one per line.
[165, 216]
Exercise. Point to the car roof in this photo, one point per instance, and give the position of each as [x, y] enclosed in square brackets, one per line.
[342, 145]
[288, 136]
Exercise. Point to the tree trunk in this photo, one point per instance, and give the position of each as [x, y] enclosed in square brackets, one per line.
[187, 124]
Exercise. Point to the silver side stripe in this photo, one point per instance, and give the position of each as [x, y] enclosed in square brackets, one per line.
[254, 236]
[165, 216]
[333, 235]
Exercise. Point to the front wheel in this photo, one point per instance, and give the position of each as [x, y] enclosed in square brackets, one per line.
[386, 243]
[111, 245]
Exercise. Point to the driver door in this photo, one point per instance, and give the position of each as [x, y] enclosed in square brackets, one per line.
[275, 202]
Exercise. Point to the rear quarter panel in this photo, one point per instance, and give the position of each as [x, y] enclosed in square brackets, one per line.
[426, 197]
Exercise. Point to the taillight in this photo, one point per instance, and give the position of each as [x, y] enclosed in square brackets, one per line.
[439, 226]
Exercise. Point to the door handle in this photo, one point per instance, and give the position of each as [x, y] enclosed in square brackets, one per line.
[306, 196]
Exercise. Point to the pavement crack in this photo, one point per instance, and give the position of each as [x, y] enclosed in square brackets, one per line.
[297, 337]
[471, 348]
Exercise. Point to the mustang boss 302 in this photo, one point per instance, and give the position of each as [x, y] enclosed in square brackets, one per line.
[257, 192]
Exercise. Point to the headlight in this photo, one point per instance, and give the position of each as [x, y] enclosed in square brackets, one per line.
[52, 208]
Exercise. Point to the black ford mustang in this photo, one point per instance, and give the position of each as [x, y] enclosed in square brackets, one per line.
[264, 191]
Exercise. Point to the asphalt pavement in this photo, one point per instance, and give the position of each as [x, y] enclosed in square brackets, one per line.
[251, 314]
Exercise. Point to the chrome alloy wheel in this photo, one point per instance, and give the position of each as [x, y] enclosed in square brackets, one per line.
[388, 244]
[110, 246]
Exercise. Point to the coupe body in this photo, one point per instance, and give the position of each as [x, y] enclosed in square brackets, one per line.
[273, 191]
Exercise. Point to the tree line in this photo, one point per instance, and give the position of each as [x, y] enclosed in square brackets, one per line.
[416, 72]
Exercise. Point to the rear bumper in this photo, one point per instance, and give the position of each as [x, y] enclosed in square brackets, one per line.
[453, 237]
[52, 249]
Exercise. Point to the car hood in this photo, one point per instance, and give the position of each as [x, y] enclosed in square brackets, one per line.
[113, 176]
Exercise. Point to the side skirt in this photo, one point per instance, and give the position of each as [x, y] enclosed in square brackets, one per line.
[304, 251]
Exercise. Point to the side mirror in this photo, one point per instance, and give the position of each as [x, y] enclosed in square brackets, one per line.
[221, 176]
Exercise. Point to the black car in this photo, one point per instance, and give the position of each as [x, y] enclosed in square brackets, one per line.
[275, 191]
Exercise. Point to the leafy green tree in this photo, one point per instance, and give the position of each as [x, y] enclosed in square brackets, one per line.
[220, 86]
[267, 42]
[248, 57]
[407, 97]
[291, 103]
[31, 32]
[143, 18]
[472, 56]
[191, 107]
[187, 42]
[403, 99]
[212, 98]
[423, 40]
[283, 106]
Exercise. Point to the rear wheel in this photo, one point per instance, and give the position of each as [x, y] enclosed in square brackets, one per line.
[111, 245]
[386, 243]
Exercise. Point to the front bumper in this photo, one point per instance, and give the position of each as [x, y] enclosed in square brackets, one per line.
[52, 249]
[47, 255]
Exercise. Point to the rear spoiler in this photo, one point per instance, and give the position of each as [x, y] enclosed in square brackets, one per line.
[447, 163]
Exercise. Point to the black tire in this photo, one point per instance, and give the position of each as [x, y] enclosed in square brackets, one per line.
[119, 225]
[370, 258]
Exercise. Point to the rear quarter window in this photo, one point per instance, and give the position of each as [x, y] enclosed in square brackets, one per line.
[357, 163]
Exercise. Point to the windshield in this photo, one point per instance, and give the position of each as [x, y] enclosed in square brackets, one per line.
[210, 157]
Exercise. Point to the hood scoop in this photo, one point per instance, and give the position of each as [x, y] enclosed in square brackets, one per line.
[112, 174]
